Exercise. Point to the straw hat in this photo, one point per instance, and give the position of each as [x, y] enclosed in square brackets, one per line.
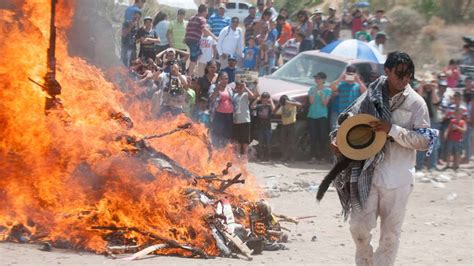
[356, 139]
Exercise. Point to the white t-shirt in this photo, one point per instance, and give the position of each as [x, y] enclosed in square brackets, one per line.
[206, 45]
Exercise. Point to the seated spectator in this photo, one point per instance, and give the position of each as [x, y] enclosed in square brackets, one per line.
[264, 107]
[201, 114]
[222, 109]
[288, 109]
[251, 53]
[241, 129]
[319, 96]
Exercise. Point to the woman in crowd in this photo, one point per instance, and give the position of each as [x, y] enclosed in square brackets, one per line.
[222, 109]
[306, 27]
[205, 82]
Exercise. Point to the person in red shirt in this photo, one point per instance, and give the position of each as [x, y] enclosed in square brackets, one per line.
[452, 73]
[454, 135]
[285, 34]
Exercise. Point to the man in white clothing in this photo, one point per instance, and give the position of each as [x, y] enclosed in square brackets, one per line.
[404, 117]
[230, 42]
[379, 41]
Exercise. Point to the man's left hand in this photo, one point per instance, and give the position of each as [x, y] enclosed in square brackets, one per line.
[381, 126]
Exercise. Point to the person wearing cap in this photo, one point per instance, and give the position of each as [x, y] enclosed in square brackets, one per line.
[363, 35]
[196, 26]
[380, 19]
[148, 39]
[319, 96]
[131, 10]
[379, 187]
[345, 90]
[305, 26]
[334, 18]
[219, 20]
[317, 18]
[379, 41]
[230, 42]
[231, 68]
[177, 31]
[128, 51]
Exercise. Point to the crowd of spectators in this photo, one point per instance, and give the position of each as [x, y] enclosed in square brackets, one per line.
[196, 67]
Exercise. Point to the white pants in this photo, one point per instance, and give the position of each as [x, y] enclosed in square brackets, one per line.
[390, 205]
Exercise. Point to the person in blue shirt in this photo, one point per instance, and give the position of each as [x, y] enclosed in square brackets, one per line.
[318, 124]
[231, 68]
[131, 10]
[346, 89]
[250, 55]
[218, 21]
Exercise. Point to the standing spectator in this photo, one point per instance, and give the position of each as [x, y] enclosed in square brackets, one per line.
[380, 19]
[318, 123]
[201, 115]
[128, 52]
[374, 29]
[288, 109]
[209, 78]
[231, 68]
[196, 26]
[317, 19]
[251, 53]
[328, 34]
[170, 97]
[249, 23]
[241, 129]
[306, 27]
[379, 41]
[264, 107]
[291, 48]
[222, 109]
[346, 89]
[356, 23]
[262, 61]
[219, 20]
[363, 35]
[337, 22]
[468, 95]
[230, 42]
[190, 96]
[454, 135]
[177, 31]
[468, 55]
[284, 12]
[148, 39]
[169, 56]
[208, 48]
[263, 24]
[260, 9]
[161, 25]
[131, 10]
[452, 73]
[285, 34]
[269, 6]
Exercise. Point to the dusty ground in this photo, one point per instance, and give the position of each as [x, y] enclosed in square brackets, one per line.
[438, 229]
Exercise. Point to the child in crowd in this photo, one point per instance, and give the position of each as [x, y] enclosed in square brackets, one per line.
[241, 129]
[201, 114]
[291, 47]
[454, 135]
[262, 61]
[251, 53]
[264, 107]
[287, 109]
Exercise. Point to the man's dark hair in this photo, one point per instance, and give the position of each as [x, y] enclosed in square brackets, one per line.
[181, 11]
[280, 17]
[267, 12]
[397, 58]
[320, 75]
[252, 7]
[202, 8]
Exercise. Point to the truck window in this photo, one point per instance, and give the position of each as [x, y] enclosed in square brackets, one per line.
[230, 5]
[243, 6]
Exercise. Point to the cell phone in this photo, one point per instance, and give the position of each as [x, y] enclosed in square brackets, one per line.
[350, 77]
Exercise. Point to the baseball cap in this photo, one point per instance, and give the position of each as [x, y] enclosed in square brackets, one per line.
[232, 57]
[147, 18]
[318, 11]
[222, 5]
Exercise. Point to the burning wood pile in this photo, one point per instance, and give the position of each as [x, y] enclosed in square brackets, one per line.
[90, 179]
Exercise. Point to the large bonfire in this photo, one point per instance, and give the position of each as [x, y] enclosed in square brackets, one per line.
[64, 182]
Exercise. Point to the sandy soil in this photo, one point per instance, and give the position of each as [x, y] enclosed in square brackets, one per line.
[438, 228]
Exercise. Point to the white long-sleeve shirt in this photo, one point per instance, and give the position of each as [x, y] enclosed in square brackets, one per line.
[230, 41]
[398, 166]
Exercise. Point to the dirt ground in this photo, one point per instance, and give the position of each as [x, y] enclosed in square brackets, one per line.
[438, 228]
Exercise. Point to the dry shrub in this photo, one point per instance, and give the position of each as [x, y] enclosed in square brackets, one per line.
[404, 21]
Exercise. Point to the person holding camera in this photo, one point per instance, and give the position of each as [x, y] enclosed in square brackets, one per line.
[222, 110]
[346, 89]
[170, 96]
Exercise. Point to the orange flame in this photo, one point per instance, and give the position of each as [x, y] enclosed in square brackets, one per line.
[59, 181]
